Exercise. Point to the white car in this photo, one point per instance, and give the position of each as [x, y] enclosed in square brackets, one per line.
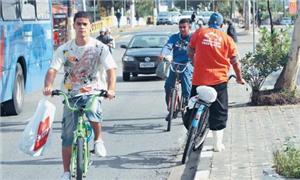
[204, 16]
[186, 14]
[175, 17]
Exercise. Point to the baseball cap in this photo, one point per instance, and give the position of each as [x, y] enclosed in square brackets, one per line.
[215, 20]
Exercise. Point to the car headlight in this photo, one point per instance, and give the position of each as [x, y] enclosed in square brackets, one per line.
[128, 58]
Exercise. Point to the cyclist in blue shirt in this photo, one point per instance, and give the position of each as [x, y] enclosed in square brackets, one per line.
[177, 46]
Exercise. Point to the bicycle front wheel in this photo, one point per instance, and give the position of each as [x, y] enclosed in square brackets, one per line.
[172, 103]
[189, 144]
[79, 159]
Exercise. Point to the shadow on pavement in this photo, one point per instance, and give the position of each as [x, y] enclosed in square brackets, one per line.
[191, 166]
[154, 159]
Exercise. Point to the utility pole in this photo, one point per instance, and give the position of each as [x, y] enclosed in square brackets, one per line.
[253, 19]
[83, 5]
[185, 5]
[132, 13]
[94, 10]
[70, 30]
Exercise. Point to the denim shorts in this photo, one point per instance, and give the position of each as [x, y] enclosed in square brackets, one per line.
[70, 119]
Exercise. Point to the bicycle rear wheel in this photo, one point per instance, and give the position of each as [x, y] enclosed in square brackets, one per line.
[172, 102]
[189, 144]
[183, 104]
[79, 159]
[203, 129]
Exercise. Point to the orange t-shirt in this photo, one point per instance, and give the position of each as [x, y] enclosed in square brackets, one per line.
[213, 51]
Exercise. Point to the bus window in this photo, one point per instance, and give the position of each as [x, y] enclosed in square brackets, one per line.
[42, 9]
[27, 10]
[10, 10]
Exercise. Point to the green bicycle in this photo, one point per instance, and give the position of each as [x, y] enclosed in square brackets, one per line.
[80, 157]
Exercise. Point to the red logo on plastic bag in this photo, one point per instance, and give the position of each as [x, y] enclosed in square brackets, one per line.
[42, 134]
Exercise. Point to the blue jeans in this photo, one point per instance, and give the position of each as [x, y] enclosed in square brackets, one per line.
[186, 82]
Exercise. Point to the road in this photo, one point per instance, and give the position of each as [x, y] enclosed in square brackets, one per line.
[134, 132]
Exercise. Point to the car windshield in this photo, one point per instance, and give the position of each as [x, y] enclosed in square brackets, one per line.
[148, 41]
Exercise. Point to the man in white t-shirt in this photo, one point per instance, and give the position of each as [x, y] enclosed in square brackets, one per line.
[88, 65]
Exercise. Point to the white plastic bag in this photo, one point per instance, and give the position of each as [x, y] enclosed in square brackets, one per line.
[36, 133]
[162, 69]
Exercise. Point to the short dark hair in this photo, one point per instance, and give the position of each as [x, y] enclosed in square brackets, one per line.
[82, 14]
[184, 20]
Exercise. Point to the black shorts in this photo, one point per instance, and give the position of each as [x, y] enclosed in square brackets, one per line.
[218, 111]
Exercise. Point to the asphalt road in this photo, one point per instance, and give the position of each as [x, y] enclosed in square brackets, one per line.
[134, 132]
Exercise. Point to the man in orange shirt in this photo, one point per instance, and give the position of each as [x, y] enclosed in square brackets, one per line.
[213, 51]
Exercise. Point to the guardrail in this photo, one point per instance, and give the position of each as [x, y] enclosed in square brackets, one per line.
[104, 22]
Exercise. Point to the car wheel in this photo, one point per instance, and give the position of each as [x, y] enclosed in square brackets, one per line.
[15, 105]
[126, 76]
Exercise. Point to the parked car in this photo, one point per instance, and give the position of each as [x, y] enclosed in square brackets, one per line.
[142, 53]
[204, 16]
[175, 17]
[186, 14]
[286, 21]
[164, 18]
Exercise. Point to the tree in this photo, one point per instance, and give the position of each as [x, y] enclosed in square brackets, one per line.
[288, 77]
[144, 7]
[247, 5]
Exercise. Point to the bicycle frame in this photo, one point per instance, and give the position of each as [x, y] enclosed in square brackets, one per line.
[175, 99]
[82, 131]
[177, 83]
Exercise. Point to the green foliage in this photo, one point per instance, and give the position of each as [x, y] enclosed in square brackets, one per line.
[271, 54]
[144, 7]
[287, 160]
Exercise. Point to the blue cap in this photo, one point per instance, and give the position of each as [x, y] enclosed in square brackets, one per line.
[215, 20]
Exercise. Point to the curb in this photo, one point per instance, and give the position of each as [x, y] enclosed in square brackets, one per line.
[205, 161]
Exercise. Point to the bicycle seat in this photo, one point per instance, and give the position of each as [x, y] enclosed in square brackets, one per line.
[206, 94]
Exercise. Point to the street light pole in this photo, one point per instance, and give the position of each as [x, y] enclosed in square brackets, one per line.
[253, 11]
[94, 10]
[70, 30]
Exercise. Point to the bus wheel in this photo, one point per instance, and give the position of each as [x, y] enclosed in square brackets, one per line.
[15, 105]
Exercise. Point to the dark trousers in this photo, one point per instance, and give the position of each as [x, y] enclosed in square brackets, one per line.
[218, 111]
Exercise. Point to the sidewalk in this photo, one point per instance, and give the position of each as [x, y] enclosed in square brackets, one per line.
[253, 133]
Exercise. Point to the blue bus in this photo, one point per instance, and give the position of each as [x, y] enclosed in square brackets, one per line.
[26, 50]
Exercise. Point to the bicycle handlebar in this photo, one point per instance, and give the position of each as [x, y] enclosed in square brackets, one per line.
[178, 64]
[103, 93]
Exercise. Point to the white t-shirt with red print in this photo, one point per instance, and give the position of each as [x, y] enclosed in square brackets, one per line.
[84, 66]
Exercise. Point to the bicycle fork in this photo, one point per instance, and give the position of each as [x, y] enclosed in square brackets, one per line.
[80, 133]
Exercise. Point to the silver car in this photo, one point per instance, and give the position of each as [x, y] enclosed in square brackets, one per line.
[164, 18]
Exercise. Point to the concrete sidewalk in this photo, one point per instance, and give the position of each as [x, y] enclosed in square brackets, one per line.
[253, 133]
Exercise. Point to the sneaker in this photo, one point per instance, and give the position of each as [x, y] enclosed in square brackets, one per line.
[100, 148]
[66, 176]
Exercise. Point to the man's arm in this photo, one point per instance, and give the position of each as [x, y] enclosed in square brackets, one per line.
[111, 82]
[49, 79]
[167, 49]
[236, 67]
[191, 53]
